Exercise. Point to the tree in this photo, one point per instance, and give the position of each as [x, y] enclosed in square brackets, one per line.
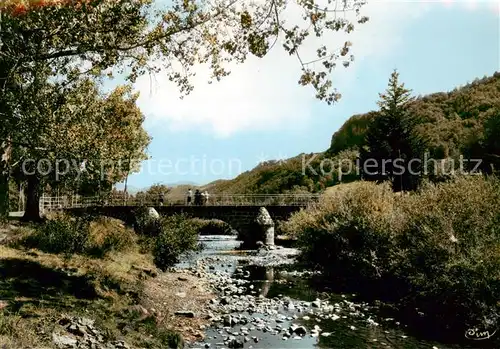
[394, 150]
[157, 191]
[136, 37]
[82, 139]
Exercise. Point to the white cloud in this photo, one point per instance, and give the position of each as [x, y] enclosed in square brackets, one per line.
[264, 93]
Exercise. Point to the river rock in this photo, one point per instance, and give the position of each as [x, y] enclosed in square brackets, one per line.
[76, 329]
[62, 341]
[120, 345]
[230, 321]
[235, 343]
[80, 332]
[300, 330]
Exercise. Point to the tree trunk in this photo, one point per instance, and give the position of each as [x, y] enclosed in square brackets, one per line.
[4, 180]
[126, 182]
[125, 190]
[32, 212]
[4, 196]
[5, 145]
[21, 198]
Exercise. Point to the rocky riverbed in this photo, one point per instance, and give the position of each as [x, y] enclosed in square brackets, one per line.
[263, 303]
[81, 332]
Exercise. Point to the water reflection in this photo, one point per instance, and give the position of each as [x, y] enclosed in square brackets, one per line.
[213, 245]
[217, 243]
[269, 278]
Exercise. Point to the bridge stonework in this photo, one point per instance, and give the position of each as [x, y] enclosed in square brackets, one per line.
[241, 218]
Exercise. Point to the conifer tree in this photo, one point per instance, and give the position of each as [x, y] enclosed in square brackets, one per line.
[394, 150]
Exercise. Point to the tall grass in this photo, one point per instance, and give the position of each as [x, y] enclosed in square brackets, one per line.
[437, 249]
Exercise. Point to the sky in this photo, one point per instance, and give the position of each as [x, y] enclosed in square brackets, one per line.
[260, 112]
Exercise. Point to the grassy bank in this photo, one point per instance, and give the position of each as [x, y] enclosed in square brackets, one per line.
[434, 254]
[99, 269]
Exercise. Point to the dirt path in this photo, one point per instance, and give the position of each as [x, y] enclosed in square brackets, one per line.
[178, 291]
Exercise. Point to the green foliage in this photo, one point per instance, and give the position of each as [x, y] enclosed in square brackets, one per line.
[347, 229]
[451, 241]
[144, 224]
[485, 145]
[352, 133]
[15, 201]
[177, 235]
[211, 226]
[491, 145]
[102, 131]
[392, 142]
[408, 248]
[64, 234]
[155, 192]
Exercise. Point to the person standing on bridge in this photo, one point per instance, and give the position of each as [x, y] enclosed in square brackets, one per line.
[197, 197]
[205, 197]
[189, 196]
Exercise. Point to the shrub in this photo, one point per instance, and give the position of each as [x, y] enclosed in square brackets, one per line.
[177, 235]
[437, 249]
[347, 231]
[449, 250]
[65, 234]
[144, 224]
[61, 234]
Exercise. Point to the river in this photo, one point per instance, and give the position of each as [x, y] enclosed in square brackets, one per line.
[267, 302]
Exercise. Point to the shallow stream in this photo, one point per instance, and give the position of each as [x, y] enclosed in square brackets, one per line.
[268, 303]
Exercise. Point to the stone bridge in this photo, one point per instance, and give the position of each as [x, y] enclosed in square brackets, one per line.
[241, 218]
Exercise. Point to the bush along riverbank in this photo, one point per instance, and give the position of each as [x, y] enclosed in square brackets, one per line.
[433, 255]
[93, 282]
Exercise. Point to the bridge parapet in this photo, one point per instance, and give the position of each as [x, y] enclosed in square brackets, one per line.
[64, 202]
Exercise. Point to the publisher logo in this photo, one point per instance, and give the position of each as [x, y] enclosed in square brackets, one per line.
[478, 335]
